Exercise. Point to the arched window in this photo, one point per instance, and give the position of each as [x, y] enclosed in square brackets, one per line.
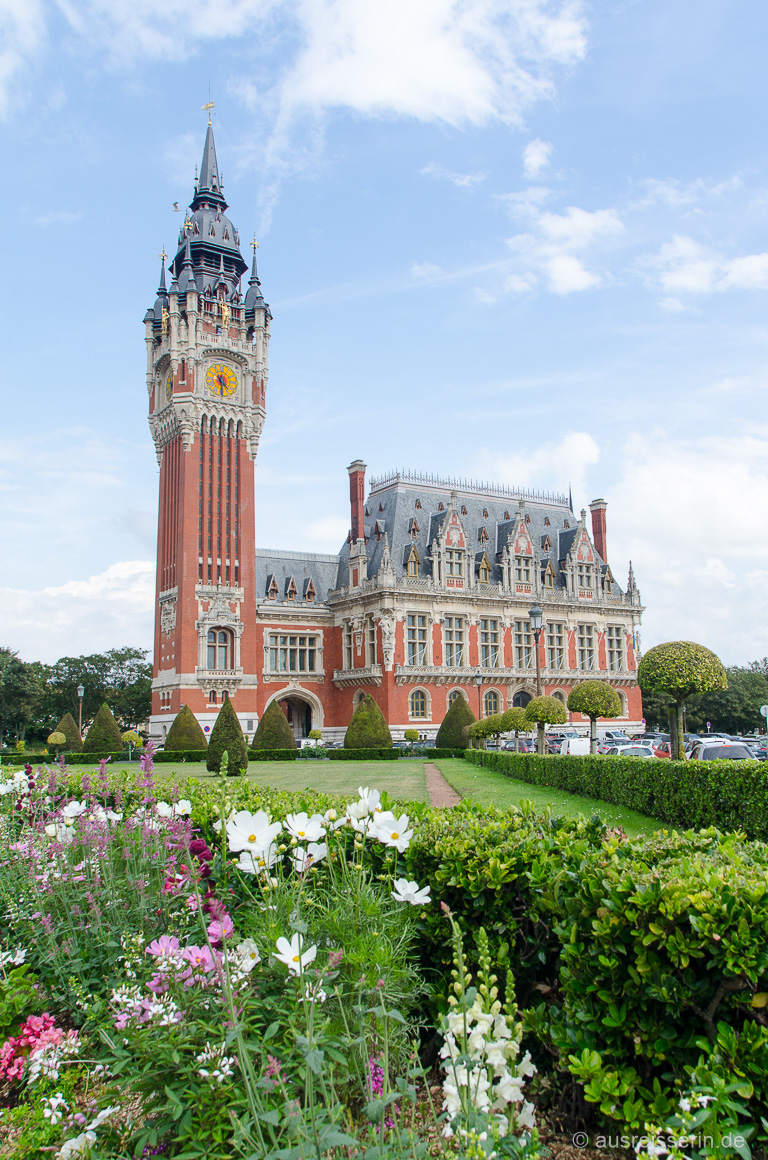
[521, 699]
[212, 696]
[454, 695]
[418, 704]
[220, 649]
[491, 704]
[484, 572]
[559, 696]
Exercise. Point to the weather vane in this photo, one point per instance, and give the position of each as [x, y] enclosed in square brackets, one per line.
[162, 255]
[254, 245]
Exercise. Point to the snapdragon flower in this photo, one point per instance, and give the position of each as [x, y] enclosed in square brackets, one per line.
[292, 955]
[406, 891]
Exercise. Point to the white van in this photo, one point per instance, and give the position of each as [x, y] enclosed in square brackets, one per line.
[575, 745]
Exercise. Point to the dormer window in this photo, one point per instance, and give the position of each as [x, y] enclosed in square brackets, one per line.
[272, 589]
[454, 562]
[566, 524]
[483, 536]
[463, 509]
[309, 594]
[584, 575]
[484, 571]
[506, 515]
[546, 521]
[485, 513]
[522, 570]
[290, 591]
[527, 519]
[441, 506]
[418, 505]
[412, 567]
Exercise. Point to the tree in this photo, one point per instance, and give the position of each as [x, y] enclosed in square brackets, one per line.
[411, 735]
[273, 731]
[594, 699]
[515, 721]
[368, 728]
[227, 737]
[451, 734]
[121, 676]
[20, 694]
[656, 710]
[732, 710]
[545, 711]
[57, 739]
[103, 735]
[185, 733]
[68, 727]
[680, 669]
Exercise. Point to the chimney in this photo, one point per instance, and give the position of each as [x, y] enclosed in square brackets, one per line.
[357, 498]
[597, 507]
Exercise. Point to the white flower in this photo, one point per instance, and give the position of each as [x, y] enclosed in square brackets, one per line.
[314, 994]
[370, 798]
[254, 832]
[77, 1146]
[291, 954]
[247, 954]
[256, 861]
[74, 809]
[406, 891]
[60, 832]
[303, 859]
[183, 808]
[113, 817]
[17, 958]
[163, 810]
[685, 1105]
[392, 831]
[305, 828]
[55, 1108]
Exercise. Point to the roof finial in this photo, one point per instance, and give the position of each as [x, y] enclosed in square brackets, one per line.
[207, 109]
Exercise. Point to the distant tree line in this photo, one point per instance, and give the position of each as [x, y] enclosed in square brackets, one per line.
[34, 696]
[732, 710]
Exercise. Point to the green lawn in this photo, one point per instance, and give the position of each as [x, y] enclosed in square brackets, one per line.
[490, 787]
[401, 779]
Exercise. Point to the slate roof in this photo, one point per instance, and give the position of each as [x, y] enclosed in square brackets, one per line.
[302, 567]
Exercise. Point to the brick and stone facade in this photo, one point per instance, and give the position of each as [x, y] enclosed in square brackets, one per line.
[429, 596]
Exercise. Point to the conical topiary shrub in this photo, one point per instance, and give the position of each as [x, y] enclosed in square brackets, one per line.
[103, 735]
[273, 732]
[227, 737]
[451, 734]
[368, 728]
[185, 733]
[68, 726]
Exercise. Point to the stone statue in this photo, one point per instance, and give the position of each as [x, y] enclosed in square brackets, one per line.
[388, 641]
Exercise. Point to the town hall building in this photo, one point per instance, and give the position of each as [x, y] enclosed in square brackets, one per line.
[429, 596]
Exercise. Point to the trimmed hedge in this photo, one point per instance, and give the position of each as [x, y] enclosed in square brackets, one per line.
[104, 733]
[273, 731]
[364, 754]
[732, 795]
[273, 754]
[87, 758]
[68, 727]
[181, 755]
[451, 733]
[368, 727]
[186, 733]
[227, 737]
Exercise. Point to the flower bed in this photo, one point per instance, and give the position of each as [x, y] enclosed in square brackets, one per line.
[218, 970]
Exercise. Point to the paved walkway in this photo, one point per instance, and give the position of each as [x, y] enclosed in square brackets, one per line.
[439, 792]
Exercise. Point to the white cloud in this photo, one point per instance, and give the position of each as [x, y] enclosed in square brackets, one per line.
[551, 465]
[425, 270]
[462, 180]
[22, 36]
[686, 266]
[82, 615]
[548, 246]
[536, 157]
[567, 274]
[577, 228]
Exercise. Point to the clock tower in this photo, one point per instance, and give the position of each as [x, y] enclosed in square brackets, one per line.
[206, 380]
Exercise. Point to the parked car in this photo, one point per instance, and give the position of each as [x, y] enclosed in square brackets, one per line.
[721, 751]
[524, 745]
[575, 745]
[630, 751]
[612, 737]
[663, 749]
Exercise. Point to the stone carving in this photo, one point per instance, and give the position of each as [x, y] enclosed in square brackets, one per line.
[388, 641]
[168, 616]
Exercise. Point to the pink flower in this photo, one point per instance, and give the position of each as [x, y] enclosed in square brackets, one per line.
[220, 929]
[163, 947]
[200, 958]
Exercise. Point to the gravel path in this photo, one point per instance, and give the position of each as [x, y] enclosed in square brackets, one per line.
[439, 792]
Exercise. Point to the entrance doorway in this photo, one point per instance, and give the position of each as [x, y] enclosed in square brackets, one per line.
[298, 714]
[521, 699]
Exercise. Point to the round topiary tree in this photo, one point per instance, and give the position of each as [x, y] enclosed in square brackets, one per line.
[594, 699]
[103, 735]
[368, 728]
[515, 721]
[68, 726]
[273, 731]
[185, 733]
[227, 737]
[679, 669]
[57, 739]
[411, 735]
[545, 711]
[451, 734]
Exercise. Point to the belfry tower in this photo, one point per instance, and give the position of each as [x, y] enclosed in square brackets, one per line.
[206, 380]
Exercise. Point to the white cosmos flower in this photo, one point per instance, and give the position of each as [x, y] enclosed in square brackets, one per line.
[291, 954]
[74, 809]
[302, 859]
[406, 891]
[370, 798]
[257, 861]
[305, 828]
[183, 808]
[163, 810]
[392, 831]
[254, 832]
[247, 954]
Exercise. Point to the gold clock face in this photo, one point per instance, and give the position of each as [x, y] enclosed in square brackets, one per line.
[221, 380]
[169, 385]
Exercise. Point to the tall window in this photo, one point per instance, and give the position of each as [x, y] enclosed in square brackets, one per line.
[292, 654]
[371, 637]
[522, 569]
[454, 562]
[491, 704]
[484, 571]
[349, 660]
[556, 646]
[614, 638]
[416, 639]
[454, 693]
[586, 646]
[489, 644]
[219, 649]
[413, 563]
[584, 575]
[453, 636]
[523, 644]
[418, 704]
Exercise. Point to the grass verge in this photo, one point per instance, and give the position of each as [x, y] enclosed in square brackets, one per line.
[401, 779]
[489, 787]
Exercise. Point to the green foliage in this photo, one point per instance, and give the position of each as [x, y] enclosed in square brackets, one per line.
[181, 755]
[227, 737]
[732, 710]
[451, 734]
[68, 727]
[546, 711]
[594, 699]
[19, 997]
[276, 754]
[186, 732]
[131, 737]
[681, 668]
[368, 728]
[656, 710]
[103, 735]
[273, 730]
[367, 754]
[315, 735]
[515, 720]
[56, 739]
[411, 735]
[121, 676]
[20, 693]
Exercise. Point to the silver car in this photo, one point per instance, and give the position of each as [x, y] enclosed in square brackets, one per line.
[630, 751]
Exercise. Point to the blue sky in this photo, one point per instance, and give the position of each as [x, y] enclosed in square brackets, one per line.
[522, 241]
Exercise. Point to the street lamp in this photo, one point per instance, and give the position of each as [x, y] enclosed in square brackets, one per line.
[80, 694]
[536, 617]
[479, 682]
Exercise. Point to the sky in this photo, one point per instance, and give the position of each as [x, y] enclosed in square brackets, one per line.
[523, 241]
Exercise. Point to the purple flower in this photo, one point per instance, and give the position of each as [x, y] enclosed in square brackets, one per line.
[163, 947]
[200, 849]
